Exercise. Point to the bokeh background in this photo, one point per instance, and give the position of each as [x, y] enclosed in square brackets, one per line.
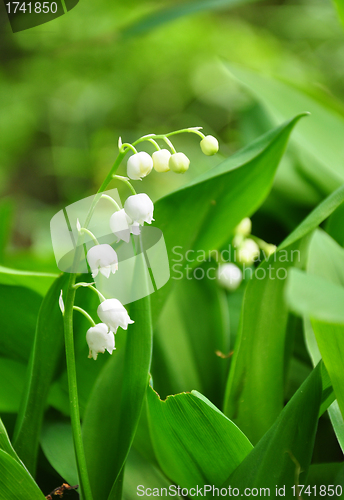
[71, 87]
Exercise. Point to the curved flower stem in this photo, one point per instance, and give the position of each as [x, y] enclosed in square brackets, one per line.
[87, 231]
[89, 285]
[170, 145]
[126, 181]
[114, 202]
[85, 313]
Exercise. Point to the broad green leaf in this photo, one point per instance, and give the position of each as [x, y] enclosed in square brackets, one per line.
[255, 389]
[5, 443]
[139, 471]
[254, 395]
[10, 392]
[45, 354]
[38, 282]
[15, 481]
[320, 136]
[326, 259]
[114, 407]
[284, 453]
[57, 444]
[169, 14]
[19, 311]
[195, 444]
[315, 297]
[323, 474]
[330, 342]
[202, 215]
[192, 329]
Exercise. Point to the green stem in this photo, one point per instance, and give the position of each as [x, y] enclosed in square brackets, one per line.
[106, 197]
[73, 392]
[82, 311]
[170, 145]
[126, 181]
[87, 231]
[85, 486]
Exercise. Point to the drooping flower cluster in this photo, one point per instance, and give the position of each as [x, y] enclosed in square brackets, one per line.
[247, 251]
[138, 209]
[140, 164]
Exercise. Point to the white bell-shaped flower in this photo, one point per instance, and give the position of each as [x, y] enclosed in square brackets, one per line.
[161, 159]
[139, 165]
[102, 258]
[248, 252]
[113, 314]
[179, 163]
[122, 225]
[229, 276]
[99, 338]
[140, 208]
[209, 145]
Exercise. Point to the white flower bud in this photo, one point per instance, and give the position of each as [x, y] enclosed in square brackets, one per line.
[113, 314]
[99, 339]
[140, 208]
[179, 163]
[122, 225]
[269, 249]
[229, 276]
[248, 252]
[244, 227]
[161, 159]
[61, 303]
[103, 257]
[209, 145]
[139, 165]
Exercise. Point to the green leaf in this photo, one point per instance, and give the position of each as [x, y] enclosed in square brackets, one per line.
[169, 14]
[214, 203]
[283, 455]
[5, 443]
[114, 407]
[320, 136]
[315, 297]
[15, 481]
[38, 282]
[46, 352]
[10, 392]
[57, 444]
[19, 311]
[195, 444]
[254, 395]
[255, 389]
[139, 471]
[326, 259]
[193, 327]
[340, 9]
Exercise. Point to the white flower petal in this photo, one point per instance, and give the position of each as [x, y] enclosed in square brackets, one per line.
[139, 165]
[61, 303]
[101, 257]
[112, 313]
[99, 338]
[140, 208]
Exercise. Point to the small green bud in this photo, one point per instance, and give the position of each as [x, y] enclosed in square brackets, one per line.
[209, 145]
[161, 159]
[179, 163]
[244, 227]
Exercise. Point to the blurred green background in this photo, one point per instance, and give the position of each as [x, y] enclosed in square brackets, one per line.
[71, 87]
